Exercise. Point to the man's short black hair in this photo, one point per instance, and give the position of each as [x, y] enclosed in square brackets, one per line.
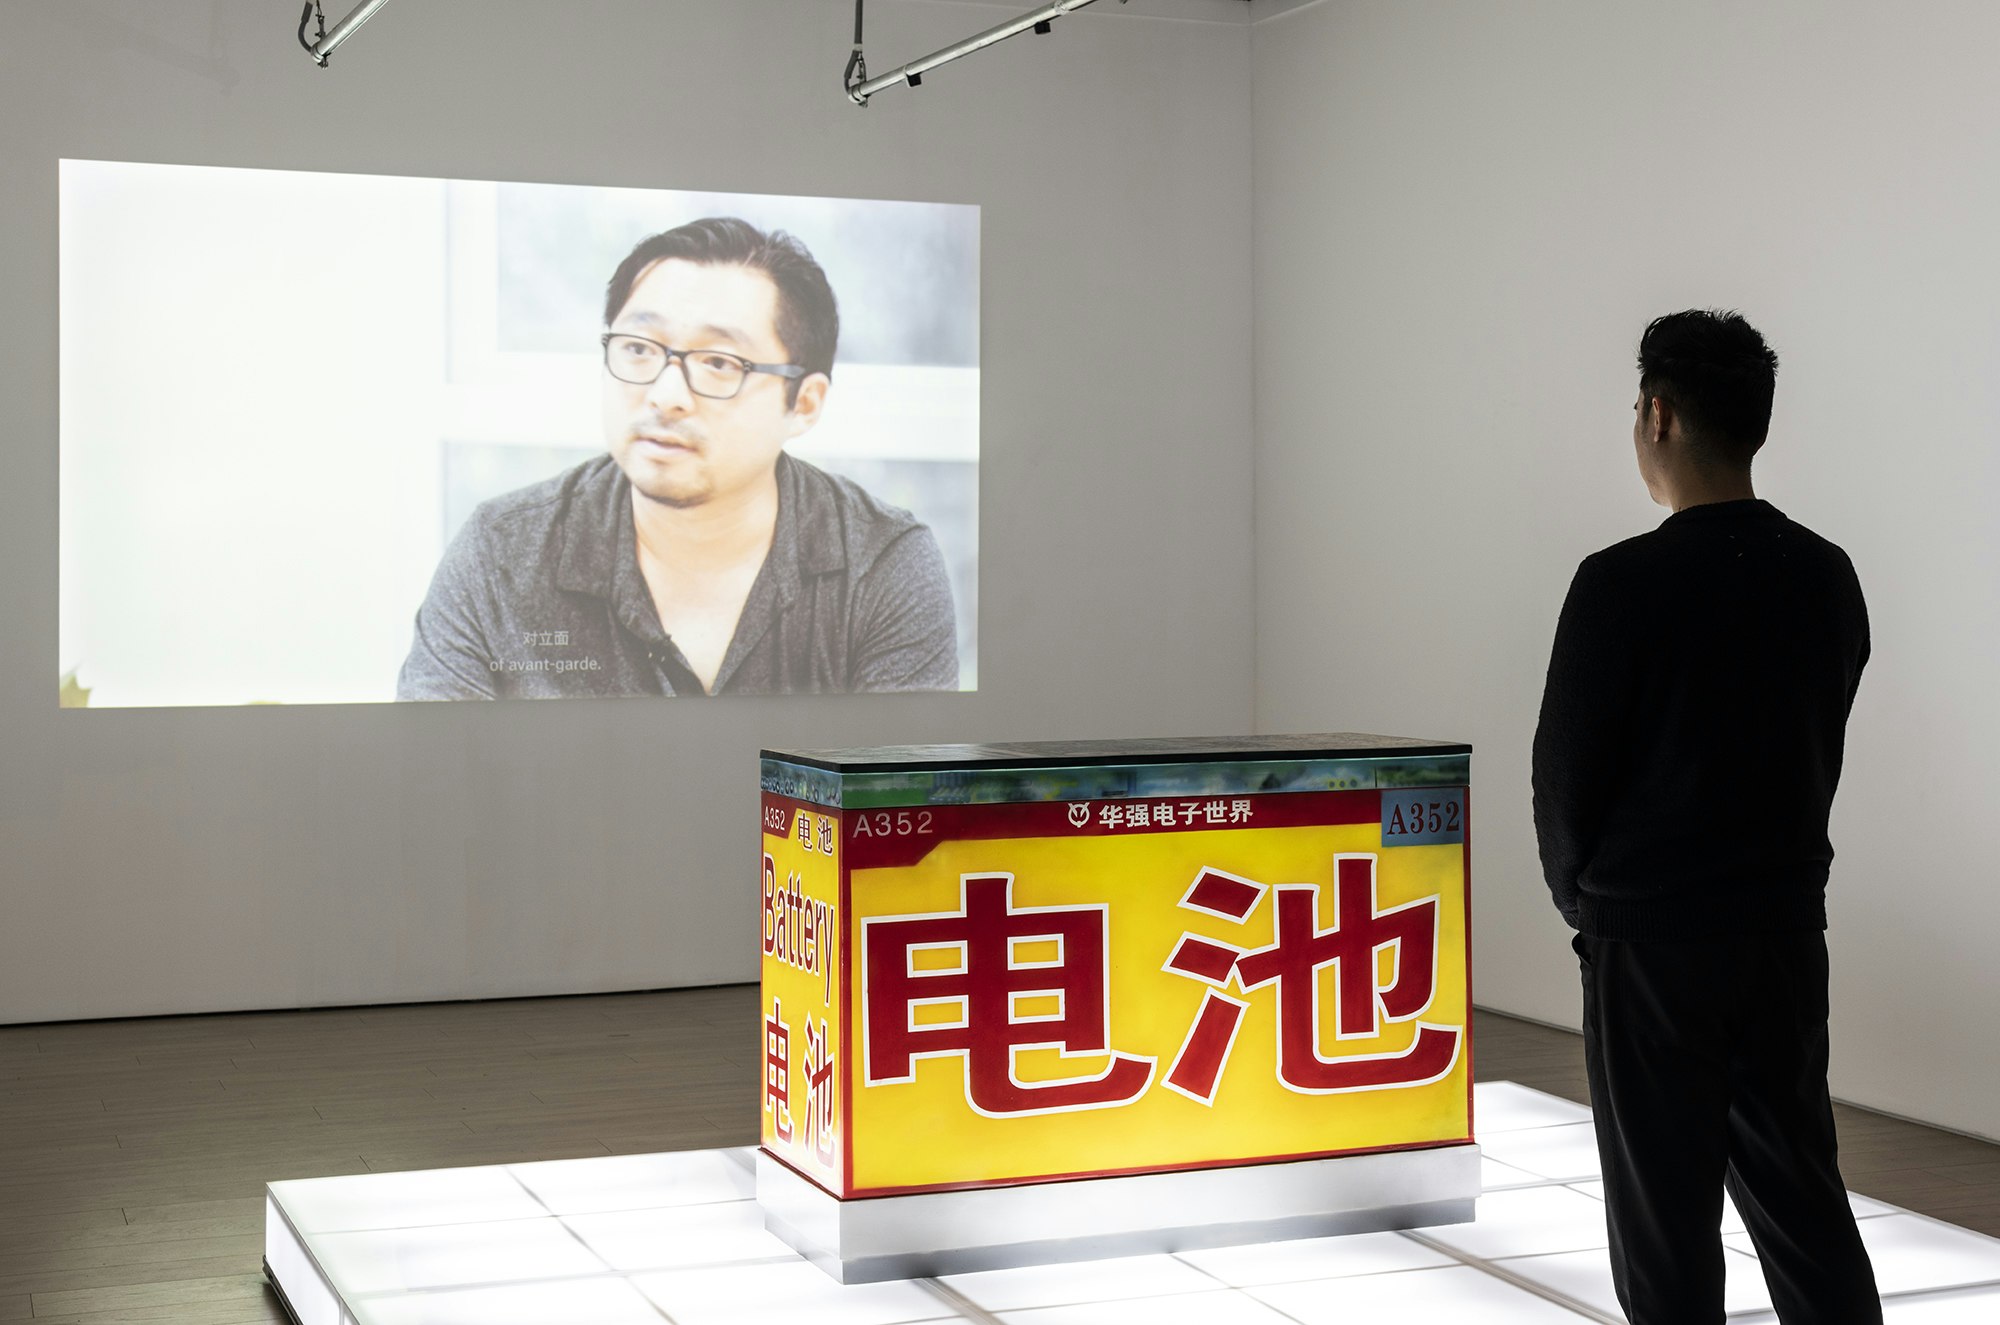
[808, 316]
[1717, 373]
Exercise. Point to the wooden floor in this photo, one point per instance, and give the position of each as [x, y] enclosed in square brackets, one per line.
[133, 1154]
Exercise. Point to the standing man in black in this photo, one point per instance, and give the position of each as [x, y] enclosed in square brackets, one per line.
[1684, 767]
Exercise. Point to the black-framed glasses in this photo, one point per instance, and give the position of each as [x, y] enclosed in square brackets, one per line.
[715, 374]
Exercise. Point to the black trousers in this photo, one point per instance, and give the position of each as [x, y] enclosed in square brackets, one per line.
[1707, 1067]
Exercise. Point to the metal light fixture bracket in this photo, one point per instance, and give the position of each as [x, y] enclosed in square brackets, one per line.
[860, 86]
[325, 43]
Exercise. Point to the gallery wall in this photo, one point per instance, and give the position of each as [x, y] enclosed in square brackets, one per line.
[1462, 214]
[181, 860]
[1465, 214]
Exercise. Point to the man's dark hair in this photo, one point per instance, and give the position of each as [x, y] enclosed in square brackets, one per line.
[808, 316]
[1718, 375]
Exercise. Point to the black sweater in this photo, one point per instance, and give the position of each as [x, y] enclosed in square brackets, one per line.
[1691, 730]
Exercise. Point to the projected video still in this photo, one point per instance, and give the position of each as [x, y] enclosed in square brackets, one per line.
[337, 439]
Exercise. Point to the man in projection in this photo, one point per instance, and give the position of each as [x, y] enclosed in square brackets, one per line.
[1684, 768]
[696, 557]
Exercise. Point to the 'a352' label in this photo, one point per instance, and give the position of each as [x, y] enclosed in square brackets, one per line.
[1423, 817]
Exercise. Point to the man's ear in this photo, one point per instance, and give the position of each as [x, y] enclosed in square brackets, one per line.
[1659, 419]
[811, 400]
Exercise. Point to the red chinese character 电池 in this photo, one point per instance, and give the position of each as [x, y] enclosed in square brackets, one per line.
[1292, 962]
[986, 985]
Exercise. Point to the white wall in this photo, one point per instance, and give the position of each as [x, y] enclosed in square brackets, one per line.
[194, 859]
[1463, 215]
[1466, 212]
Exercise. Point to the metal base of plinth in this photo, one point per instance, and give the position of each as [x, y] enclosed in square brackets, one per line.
[936, 1233]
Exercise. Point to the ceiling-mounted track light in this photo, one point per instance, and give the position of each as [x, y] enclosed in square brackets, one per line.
[323, 45]
[860, 86]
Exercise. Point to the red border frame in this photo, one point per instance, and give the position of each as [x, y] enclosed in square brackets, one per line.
[1465, 884]
[849, 1192]
[847, 1040]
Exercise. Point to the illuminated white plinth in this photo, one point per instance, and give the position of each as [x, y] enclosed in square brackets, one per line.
[631, 1240]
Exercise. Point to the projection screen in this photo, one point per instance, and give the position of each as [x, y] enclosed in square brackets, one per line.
[351, 439]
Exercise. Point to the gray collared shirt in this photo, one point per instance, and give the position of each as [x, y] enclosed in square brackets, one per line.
[540, 596]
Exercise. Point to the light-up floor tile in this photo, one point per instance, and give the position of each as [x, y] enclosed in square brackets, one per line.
[1314, 1258]
[1949, 1306]
[1224, 1308]
[784, 1294]
[1505, 1106]
[1494, 1175]
[1969, 1306]
[1081, 1281]
[678, 1237]
[405, 1200]
[1586, 1277]
[309, 1298]
[638, 1182]
[1563, 1153]
[1529, 1222]
[454, 1256]
[570, 1302]
[623, 1240]
[1912, 1254]
[1459, 1293]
